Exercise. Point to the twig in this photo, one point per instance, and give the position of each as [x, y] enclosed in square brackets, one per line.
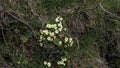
[78, 46]
[89, 8]
[16, 18]
[100, 5]
[4, 37]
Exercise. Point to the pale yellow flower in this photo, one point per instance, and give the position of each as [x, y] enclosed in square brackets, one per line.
[18, 62]
[60, 24]
[41, 44]
[71, 43]
[56, 31]
[51, 26]
[55, 28]
[49, 38]
[49, 64]
[61, 63]
[57, 19]
[70, 39]
[52, 34]
[54, 37]
[41, 37]
[58, 62]
[61, 18]
[54, 25]
[60, 29]
[64, 59]
[60, 42]
[41, 31]
[45, 31]
[65, 29]
[66, 39]
[64, 64]
[45, 62]
[48, 25]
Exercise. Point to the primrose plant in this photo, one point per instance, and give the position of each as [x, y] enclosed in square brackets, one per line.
[55, 33]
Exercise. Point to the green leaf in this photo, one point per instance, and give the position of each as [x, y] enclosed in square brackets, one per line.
[24, 38]
[17, 30]
[25, 62]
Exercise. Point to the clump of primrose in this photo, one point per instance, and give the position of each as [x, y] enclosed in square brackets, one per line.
[62, 61]
[54, 33]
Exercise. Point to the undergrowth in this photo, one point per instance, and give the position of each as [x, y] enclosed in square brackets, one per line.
[95, 32]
